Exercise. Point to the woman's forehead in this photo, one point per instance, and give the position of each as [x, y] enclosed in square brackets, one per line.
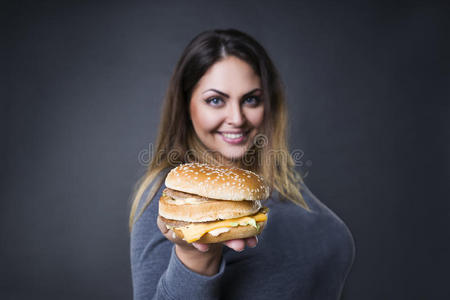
[229, 74]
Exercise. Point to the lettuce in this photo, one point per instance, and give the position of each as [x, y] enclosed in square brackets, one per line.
[252, 222]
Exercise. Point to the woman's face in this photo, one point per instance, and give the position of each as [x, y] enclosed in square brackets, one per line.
[226, 109]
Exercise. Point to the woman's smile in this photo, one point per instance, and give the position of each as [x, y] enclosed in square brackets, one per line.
[234, 137]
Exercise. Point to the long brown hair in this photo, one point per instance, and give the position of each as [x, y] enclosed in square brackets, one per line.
[177, 142]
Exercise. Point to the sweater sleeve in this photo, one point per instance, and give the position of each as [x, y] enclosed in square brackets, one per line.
[156, 271]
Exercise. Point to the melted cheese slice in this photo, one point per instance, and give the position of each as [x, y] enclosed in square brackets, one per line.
[195, 231]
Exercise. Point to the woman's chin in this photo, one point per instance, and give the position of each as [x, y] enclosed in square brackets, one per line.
[230, 156]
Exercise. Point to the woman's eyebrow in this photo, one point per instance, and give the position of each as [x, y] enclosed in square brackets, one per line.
[228, 96]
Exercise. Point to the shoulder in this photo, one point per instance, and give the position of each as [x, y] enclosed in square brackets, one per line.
[146, 198]
[147, 209]
[145, 230]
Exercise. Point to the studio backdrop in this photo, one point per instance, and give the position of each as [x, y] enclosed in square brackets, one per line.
[367, 86]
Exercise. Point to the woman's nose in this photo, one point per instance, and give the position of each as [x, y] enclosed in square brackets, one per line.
[235, 115]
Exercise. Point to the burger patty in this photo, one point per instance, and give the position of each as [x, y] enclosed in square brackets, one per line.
[174, 223]
[177, 223]
[177, 195]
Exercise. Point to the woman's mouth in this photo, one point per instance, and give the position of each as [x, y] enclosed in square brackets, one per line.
[234, 137]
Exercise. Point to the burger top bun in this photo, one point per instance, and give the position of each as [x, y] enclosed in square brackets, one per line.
[217, 182]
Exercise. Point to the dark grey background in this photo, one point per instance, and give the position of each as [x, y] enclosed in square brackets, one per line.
[368, 94]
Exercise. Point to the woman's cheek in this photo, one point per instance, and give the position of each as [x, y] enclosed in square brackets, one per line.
[210, 121]
[255, 116]
[201, 118]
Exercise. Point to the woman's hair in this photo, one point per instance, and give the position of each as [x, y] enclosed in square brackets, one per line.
[177, 142]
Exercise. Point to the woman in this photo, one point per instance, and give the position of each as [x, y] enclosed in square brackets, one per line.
[225, 105]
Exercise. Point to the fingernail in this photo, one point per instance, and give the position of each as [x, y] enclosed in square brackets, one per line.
[252, 244]
[201, 248]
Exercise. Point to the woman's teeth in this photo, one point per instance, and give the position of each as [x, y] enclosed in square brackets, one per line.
[232, 135]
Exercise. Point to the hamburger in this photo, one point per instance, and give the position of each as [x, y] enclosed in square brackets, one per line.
[210, 204]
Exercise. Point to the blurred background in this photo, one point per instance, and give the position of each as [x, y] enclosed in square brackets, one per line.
[368, 90]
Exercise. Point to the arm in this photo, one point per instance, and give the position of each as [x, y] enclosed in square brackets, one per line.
[157, 272]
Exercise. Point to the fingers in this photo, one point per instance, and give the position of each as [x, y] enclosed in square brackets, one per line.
[239, 244]
[161, 225]
[236, 245]
[252, 241]
[169, 234]
[201, 247]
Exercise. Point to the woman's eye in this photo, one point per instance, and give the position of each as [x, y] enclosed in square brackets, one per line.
[252, 100]
[214, 101]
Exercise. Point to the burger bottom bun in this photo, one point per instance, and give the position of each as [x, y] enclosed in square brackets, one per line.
[238, 232]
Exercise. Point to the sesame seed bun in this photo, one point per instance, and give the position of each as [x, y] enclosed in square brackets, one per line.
[217, 182]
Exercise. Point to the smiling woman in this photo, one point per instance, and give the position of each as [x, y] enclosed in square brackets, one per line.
[227, 118]
[225, 106]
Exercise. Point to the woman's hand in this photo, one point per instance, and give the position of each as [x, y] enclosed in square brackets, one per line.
[203, 258]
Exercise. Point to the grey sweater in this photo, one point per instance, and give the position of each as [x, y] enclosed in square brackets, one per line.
[300, 255]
